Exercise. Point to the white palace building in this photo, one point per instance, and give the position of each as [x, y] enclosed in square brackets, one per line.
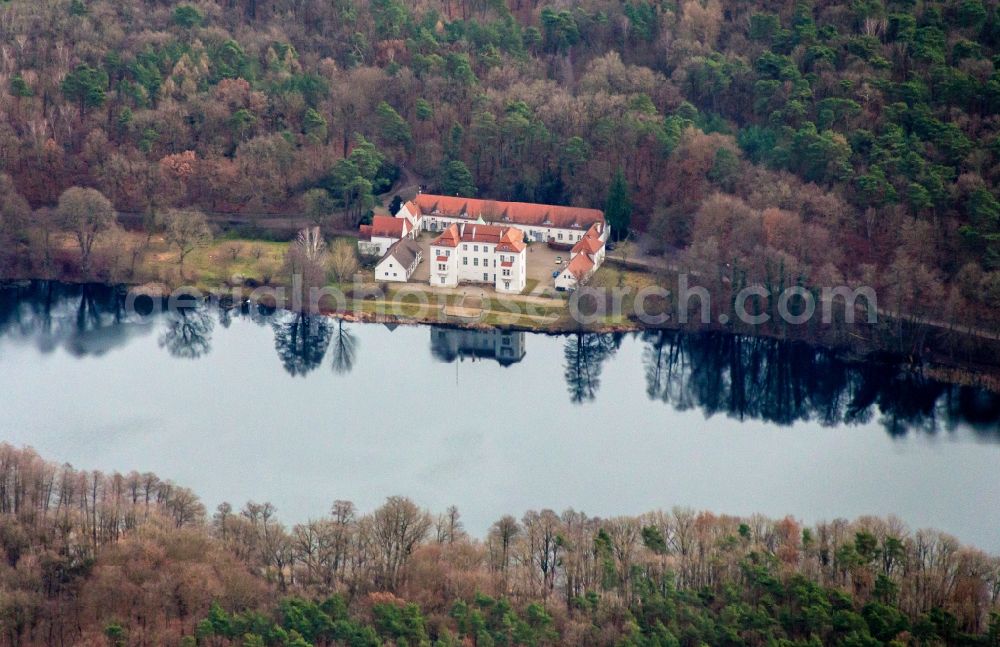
[484, 241]
[475, 253]
[539, 222]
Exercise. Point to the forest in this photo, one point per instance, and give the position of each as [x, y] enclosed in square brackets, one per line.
[774, 142]
[132, 559]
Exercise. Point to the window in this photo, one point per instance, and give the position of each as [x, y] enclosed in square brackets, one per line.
[465, 247]
[560, 235]
[475, 248]
[394, 274]
[447, 252]
[506, 285]
[442, 267]
[465, 261]
[486, 277]
[506, 272]
[475, 262]
[442, 279]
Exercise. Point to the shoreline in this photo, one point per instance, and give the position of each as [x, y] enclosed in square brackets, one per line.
[934, 365]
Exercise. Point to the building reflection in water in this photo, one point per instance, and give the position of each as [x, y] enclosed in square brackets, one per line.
[746, 378]
[450, 344]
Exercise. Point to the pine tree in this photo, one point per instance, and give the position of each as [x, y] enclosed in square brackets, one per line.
[457, 180]
[618, 208]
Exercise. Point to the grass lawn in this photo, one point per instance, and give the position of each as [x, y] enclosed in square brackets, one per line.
[214, 265]
[610, 277]
[529, 286]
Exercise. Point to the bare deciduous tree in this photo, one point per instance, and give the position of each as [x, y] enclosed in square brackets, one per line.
[344, 260]
[307, 258]
[87, 215]
[187, 230]
[398, 526]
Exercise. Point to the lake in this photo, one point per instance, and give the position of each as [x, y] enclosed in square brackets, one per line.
[296, 411]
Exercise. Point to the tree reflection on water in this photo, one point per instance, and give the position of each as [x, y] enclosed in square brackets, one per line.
[301, 341]
[784, 383]
[742, 377]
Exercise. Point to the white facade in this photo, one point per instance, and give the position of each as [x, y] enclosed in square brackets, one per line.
[377, 246]
[376, 239]
[474, 253]
[512, 274]
[542, 234]
[444, 269]
[567, 281]
[411, 213]
[398, 265]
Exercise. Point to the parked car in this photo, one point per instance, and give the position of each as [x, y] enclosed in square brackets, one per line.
[555, 274]
[558, 260]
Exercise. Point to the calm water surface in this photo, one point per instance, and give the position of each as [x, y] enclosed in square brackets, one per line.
[241, 406]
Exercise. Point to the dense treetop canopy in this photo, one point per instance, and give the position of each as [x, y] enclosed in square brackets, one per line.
[867, 130]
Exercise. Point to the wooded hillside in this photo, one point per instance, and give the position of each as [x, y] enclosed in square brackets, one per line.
[776, 142]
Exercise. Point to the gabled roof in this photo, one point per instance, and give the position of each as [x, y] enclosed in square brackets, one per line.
[404, 251]
[412, 208]
[589, 245]
[520, 213]
[448, 238]
[511, 241]
[580, 266]
[387, 227]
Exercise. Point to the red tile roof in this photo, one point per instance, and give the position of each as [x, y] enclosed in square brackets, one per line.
[476, 233]
[506, 239]
[387, 226]
[448, 238]
[580, 266]
[442, 259]
[520, 213]
[588, 244]
[412, 208]
[365, 232]
[512, 241]
[506, 264]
